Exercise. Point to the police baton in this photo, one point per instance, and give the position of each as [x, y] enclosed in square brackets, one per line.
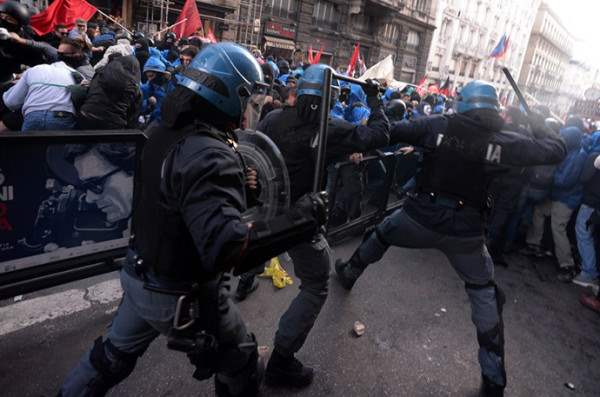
[515, 87]
[325, 106]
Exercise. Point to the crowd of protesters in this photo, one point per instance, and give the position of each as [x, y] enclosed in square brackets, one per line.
[98, 75]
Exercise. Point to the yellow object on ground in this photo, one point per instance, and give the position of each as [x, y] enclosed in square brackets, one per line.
[280, 277]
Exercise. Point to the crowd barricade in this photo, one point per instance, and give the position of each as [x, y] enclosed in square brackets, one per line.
[380, 193]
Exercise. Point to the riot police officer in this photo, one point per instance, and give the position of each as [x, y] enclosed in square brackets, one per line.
[188, 234]
[462, 153]
[294, 129]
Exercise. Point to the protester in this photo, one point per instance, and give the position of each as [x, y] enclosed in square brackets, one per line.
[42, 91]
[590, 205]
[114, 99]
[565, 197]
[155, 88]
[15, 49]
[122, 47]
[54, 38]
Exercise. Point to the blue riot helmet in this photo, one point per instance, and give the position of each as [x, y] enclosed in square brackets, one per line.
[310, 92]
[229, 77]
[477, 94]
[311, 82]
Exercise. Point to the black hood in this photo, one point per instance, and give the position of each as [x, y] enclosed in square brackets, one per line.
[119, 73]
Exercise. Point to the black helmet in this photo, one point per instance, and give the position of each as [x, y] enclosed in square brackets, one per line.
[138, 35]
[171, 37]
[284, 66]
[395, 109]
[123, 34]
[16, 10]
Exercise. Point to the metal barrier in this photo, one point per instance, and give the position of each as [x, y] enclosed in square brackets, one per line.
[385, 199]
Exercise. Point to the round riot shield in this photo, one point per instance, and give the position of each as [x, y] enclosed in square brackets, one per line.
[261, 154]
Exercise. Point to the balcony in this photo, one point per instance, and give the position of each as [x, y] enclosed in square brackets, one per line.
[231, 4]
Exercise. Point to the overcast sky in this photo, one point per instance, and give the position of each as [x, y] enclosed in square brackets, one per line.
[582, 20]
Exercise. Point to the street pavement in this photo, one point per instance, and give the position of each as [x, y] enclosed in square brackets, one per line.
[419, 339]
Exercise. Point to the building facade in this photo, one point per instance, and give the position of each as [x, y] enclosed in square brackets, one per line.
[548, 54]
[468, 31]
[403, 28]
[579, 79]
[154, 15]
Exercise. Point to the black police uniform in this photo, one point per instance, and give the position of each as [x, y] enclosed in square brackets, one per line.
[461, 157]
[295, 138]
[188, 233]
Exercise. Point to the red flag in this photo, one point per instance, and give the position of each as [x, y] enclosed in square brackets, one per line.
[421, 86]
[433, 88]
[61, 12]
[192, 23]
[314, 58]
[210, 35]
[310, 55]
[353, 59]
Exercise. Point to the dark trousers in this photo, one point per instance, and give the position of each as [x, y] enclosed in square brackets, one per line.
[142, 316]
[470, 259]
[311, 266]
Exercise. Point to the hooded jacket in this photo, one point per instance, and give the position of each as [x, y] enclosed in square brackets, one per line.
[357, 111]
[114, 98]
[566, 188]
[155, 88]
[590, 175]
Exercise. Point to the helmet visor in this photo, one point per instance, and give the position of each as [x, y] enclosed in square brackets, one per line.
[252, 100]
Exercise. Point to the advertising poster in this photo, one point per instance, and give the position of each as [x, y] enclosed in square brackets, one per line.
[63, 201]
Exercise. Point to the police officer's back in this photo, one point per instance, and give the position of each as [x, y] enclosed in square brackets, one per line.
[462, 154]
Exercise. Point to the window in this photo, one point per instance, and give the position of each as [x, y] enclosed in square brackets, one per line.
[325, 12]
[420, 5]
[390, 33]
[283, 8]
[361, 22]
[413, 40]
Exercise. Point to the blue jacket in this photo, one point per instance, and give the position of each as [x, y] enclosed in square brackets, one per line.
[357, 112]
[566, 188]
[159, 92]
[337, 112]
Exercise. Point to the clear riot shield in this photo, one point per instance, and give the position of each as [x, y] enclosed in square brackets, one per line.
[261, 154]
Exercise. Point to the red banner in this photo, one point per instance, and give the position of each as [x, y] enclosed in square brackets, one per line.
[61, 12]
[192, 23]
[353, 60]
[210, 35]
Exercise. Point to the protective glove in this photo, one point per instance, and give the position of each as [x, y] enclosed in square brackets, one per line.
[313, 206]
[372, 89]
[538, 125]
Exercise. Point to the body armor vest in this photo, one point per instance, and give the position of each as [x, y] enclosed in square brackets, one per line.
[456, 169]
[161, 237]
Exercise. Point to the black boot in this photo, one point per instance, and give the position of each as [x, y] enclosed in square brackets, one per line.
[251, 377]
[490, 389]
[285, 370]
[349, 272]
[248, 284]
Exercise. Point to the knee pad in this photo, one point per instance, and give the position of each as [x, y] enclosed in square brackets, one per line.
[240, 371]
[111, 371]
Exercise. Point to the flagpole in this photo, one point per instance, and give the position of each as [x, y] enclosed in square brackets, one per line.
[172, 26]
[112, 19]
